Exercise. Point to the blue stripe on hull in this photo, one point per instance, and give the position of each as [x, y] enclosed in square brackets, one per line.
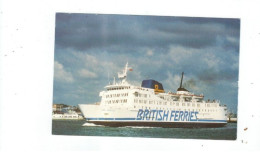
[163, 124]
[127, 119]
[205, 120]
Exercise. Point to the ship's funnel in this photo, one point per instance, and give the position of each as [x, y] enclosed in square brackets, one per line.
[152, 84]
[181, 88]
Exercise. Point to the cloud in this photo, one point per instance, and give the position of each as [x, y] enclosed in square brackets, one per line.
[212, 60]
[179, 54]
[87, 74]
[60, 74]
[149, 53]
[172, 82]
[89, 31]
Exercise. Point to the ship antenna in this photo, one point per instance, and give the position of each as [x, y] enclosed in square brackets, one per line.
[181, 88]
[181, 79]
[108, 77]
[114, 80]
[122, 76]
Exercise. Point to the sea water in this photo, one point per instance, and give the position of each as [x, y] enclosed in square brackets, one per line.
[80, 128]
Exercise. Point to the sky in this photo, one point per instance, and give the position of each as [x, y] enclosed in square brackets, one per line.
[91, 48]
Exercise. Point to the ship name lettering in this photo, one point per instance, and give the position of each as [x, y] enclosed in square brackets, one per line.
[166, 115]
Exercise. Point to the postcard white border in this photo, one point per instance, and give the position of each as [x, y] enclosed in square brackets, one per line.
[26, 65]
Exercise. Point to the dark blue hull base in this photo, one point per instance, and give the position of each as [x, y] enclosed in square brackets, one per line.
[159, 124]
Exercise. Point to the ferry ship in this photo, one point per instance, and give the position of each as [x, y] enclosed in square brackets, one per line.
[148, 105]
[68, 115]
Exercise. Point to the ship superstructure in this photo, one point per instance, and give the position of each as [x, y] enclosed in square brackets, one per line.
[123, 104]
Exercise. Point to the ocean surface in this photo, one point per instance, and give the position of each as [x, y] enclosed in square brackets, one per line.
[75, 127]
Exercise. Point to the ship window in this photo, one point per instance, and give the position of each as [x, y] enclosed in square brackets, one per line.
[136, 94]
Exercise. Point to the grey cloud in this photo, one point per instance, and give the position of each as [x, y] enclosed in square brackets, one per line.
[212, 76]
[85, 31]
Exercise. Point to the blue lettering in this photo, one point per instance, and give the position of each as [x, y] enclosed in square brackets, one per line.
[165, 115]
[146, 112]
[172, 114]
[156, 114]
[149, 115]
[160, 115]
[196, 115]
[186, 114]
[191, 115]
[181, 115]
[153, 113]
[139, 114]
[176, 116]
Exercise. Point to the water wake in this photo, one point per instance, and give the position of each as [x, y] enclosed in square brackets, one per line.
[138, 127]
[90, 125]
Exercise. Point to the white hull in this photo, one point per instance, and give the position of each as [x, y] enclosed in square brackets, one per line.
[66, 117]
[139, 117]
